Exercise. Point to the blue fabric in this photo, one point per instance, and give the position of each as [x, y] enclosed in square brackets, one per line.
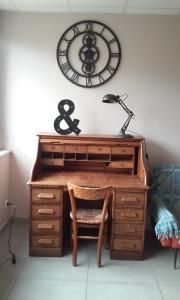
[165, 200]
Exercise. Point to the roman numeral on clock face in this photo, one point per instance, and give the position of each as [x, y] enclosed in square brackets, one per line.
[88, 26]
[110, 69]
[75, 30]
[88, 81]
[62, 52]
[111, 41]
[65, 67]
[75, 77]
[101, 79]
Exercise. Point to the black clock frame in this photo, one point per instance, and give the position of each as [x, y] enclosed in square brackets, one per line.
[66, 66]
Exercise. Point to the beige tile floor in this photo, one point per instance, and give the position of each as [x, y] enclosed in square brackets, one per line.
[40, 278]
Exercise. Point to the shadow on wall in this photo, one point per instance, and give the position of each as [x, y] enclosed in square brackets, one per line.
[158, 153]
[3, 83]
[18, 186]
[4, 186]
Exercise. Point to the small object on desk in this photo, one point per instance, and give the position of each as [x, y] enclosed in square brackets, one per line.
[65, 115]
[109, 98]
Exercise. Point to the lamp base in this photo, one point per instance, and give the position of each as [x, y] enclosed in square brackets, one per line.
[121, 135]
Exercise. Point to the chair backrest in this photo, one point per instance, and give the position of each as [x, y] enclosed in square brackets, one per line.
[91, 194]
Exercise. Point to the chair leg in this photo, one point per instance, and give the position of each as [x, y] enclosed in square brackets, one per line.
[100, 239]
[71, 238]
[106, 244]
[175, 257]
[74, 257]
[99, 252]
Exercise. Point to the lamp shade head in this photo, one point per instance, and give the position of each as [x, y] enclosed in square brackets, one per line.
[110, 98]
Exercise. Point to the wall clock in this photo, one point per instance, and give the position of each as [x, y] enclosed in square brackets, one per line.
[88, 53]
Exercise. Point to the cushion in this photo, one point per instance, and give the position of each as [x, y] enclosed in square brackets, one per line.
[89, 216]
[165, 201]
[166, 223]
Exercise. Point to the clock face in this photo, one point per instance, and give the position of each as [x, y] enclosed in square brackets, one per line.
[88, 53]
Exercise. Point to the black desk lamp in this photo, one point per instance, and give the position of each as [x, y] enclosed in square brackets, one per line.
[109, 98]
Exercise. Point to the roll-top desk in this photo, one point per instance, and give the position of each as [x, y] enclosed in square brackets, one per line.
[88, 160]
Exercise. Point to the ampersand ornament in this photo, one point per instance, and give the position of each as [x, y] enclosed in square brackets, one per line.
[65, 115]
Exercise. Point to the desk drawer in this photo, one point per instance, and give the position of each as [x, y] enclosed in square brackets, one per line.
[126, 229]
[46, 241]
[52, 148]
[46, 226]
[129, 198]
[122, 244]
[99, 150]
[75, 149]
[129, 214]
[46, 195]
[122, 164]
[46, 211]
[122, 150]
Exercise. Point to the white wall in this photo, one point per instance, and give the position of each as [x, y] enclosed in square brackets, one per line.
[33, 85]
[1, 96]
[4, 186]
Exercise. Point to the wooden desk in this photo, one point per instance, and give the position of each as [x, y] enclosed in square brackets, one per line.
[88, 160]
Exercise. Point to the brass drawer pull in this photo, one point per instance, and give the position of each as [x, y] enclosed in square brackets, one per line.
[134, 246]
[130, 230]
[46, 211]
[46, 196]
[45, 226]
[130, 214]
[45, 241]
[129, 199]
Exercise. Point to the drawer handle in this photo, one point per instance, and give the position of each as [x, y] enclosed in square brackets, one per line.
[130, 230]
[130, 214]
[46, 196]
[134, 246]
[129, 198]
[45, 241]
[45, 226]
[46, 211]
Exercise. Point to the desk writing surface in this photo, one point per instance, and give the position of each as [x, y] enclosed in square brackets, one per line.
[88, 178]
[53, 136]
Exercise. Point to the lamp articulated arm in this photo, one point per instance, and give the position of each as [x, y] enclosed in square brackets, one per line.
[130, 116]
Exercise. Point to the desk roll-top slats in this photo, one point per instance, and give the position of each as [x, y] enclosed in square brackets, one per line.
[89, 160]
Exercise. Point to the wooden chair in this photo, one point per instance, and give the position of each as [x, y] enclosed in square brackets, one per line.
[88, 217]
